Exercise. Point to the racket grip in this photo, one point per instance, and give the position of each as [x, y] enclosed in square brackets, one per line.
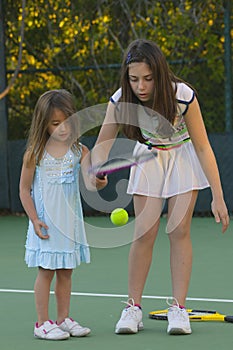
[228, 319]
[100, 176]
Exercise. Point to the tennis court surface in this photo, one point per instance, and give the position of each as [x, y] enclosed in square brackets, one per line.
[99, 287]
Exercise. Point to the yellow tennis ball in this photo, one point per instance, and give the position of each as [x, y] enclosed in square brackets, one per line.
[119, 217]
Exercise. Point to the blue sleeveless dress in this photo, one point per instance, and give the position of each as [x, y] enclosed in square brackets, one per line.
[55, 191]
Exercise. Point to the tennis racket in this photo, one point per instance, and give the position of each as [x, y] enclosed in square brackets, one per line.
[194, 315]
[122, 162]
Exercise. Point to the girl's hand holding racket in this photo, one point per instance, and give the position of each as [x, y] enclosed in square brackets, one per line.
[95, 183]
[101, 182]
[92, 183]
[220, 212]
[38, 225]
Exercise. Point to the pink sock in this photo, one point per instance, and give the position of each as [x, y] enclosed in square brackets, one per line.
[138, 305]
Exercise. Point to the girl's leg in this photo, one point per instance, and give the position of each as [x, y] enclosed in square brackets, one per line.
[147, 216]
[63, 293]
[180, 211]
[42, 290]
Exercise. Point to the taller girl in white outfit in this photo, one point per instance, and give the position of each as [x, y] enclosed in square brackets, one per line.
[184, 165]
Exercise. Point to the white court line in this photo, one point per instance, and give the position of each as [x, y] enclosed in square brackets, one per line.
[105, 295]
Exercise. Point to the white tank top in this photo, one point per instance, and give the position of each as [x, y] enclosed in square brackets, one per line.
[156, 129]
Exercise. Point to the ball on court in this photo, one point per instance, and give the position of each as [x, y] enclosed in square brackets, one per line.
[119, 217]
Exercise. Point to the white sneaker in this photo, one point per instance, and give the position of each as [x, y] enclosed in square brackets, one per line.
[178, 321]
[131, 319]
[74, 328]
[50, 331]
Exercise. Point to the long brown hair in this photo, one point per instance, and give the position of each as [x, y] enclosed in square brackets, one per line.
[164, 98]
[38, 134]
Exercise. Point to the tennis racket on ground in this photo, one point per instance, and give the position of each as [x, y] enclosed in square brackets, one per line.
[119, 163]
[194, 315]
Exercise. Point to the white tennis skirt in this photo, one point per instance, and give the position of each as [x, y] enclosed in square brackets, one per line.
[172, 172]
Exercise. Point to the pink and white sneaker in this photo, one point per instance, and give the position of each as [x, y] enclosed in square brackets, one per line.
[50, 331]
[73, 328]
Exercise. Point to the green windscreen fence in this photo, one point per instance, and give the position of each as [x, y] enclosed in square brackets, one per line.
[112, 195]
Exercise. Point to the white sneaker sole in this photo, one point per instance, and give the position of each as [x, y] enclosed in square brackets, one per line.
[128, 330]
[179, 331]
[84, 333]
[125, 331]
[52, 339]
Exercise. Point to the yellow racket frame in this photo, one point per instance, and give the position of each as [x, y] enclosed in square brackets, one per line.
[194, 315]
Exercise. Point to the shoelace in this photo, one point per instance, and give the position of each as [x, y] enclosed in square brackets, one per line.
[176, 308]
[131, 312]
[174, 302]
[130, 302]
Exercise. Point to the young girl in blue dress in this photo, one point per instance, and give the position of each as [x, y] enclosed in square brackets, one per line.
[49, 191]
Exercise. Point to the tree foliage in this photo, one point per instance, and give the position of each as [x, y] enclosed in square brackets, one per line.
[78, 45]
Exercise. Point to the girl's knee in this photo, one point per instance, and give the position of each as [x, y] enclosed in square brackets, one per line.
[181, 233]
[64, 273]
[45, 273]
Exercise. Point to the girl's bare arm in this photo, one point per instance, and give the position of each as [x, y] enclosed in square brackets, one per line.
[106, 137]
[26, 179]
[198, 134]
[91, 182]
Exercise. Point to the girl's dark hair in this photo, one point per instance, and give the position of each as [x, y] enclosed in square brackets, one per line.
[164, 98]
